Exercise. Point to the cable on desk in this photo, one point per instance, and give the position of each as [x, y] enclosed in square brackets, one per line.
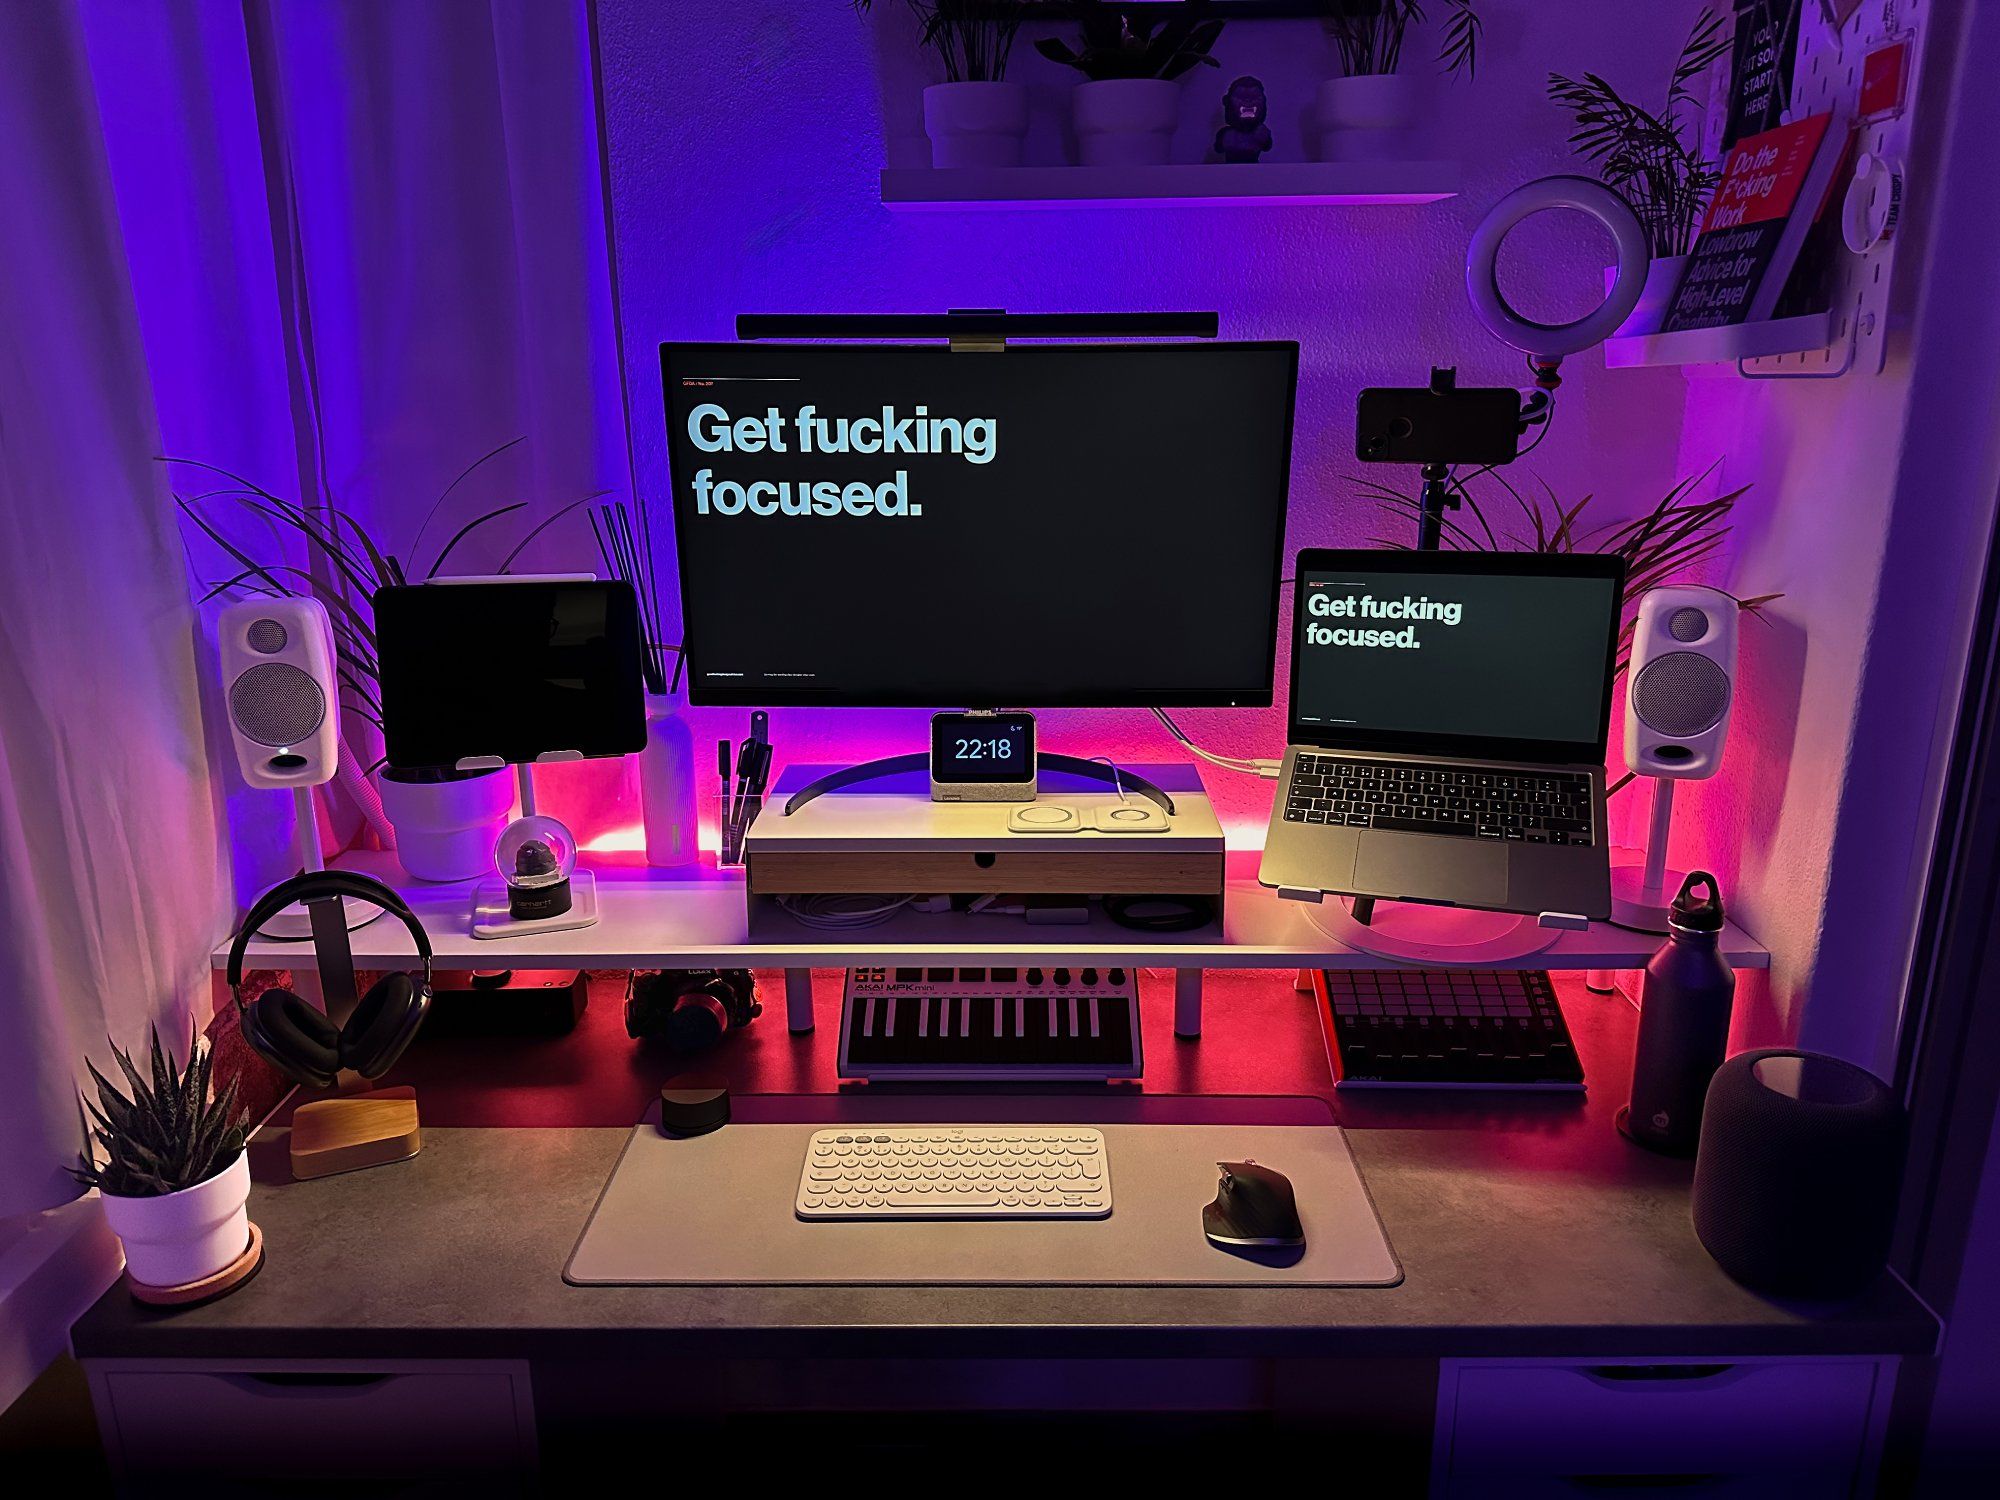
[1160, 913]
[844, 910]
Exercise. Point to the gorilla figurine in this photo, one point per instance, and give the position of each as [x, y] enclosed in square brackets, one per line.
[1244, 136]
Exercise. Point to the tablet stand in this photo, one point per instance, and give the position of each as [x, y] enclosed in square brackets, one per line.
[902, 765]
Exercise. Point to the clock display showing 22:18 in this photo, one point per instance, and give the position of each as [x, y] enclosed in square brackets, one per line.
[975, 750]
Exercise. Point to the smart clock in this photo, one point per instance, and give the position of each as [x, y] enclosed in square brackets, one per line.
[983, 757]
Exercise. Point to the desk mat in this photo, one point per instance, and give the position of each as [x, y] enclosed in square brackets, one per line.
[717, 1209]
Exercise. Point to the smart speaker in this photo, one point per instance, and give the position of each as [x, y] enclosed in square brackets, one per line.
[1796, 1175]
[281, 682]
[1677, 700]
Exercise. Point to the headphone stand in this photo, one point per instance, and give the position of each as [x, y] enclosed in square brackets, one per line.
[295, 924]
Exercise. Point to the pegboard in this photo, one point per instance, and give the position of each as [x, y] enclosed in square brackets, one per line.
[1828, 77]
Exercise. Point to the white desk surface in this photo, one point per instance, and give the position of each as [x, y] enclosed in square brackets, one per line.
[699, 919]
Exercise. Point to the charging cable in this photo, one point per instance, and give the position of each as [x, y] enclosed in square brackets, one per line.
[843, 911]
[1268, 769]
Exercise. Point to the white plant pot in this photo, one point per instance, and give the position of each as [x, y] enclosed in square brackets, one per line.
[1366, 118]
[445, 830]
[976, 124]
[1663, 279]
[181, 1237]
[1125, 122]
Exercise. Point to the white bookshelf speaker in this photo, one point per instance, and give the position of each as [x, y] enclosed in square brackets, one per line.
[1678, 693]
[1681, 684]
[280, 680]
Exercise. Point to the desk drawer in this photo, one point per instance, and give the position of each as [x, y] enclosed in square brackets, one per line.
[289, 1421]
[1792, 1427]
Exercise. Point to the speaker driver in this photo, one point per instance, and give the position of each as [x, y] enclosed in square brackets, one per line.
[1681, 694]
[276, 704]
[267, 637]
[1685, 624]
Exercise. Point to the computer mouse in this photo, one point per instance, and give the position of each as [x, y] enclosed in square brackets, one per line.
[1254, 1207]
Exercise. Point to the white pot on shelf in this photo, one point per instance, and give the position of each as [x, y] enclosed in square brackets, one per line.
[1663, 279]
[188, 1236]
[976, 124]
[1366, 117]
[445, 829]
[1125, 122]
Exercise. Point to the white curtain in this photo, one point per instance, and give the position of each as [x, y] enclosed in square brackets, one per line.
[342, 247]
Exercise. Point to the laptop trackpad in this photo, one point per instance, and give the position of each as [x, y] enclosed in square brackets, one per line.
[1465, 872]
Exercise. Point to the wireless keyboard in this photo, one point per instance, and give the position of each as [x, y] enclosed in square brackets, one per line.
[956, 1172]
[1465, 1028]
[1535, 807]
[1041, 1021]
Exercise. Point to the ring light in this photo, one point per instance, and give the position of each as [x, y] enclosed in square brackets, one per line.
[1551, 341]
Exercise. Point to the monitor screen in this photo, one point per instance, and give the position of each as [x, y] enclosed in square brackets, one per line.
[508, 671]
[1455, 653]
[893, 525]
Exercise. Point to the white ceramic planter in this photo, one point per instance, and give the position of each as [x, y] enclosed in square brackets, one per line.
[1663, 279]
[976, 124]
[181, 1237]
[445, 829]
[1366, 118]
[1125, 122]
[666, 787]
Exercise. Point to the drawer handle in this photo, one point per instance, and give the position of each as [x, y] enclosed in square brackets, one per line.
[1599, 1483]
[1659, 1374]
[298, 1384]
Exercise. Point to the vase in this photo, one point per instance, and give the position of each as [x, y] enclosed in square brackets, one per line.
[187, 1236]
[1366, 117]
[1663, 279]
[666, 786]
[1125, 122]
[976, 124]
[446, 823]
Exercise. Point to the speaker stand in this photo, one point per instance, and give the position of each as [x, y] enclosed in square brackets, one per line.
[1410, 932]
[1642, 894]
[294, 923]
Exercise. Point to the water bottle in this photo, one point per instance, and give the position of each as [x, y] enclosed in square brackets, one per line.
[1684, 1009]
[666, 787]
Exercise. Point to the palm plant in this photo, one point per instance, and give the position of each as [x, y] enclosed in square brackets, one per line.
[1116, 43]
[1658, 545]
[972, 38]
[161, 1136]
[1369, 34]
[355, 565]
[1647, 157]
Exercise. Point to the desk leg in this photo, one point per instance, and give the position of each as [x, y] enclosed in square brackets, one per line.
[799, 999]
[1187, 1002]
[1303, 982]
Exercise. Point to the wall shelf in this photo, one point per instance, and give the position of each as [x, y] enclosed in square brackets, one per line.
[1725, 345]
[1210, 184]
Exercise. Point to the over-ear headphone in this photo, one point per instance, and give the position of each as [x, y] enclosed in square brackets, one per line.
[296, 1036]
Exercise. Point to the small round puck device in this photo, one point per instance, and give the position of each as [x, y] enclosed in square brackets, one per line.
[686, 1112]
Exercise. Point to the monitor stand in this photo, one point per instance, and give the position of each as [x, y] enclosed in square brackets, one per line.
[903, 765]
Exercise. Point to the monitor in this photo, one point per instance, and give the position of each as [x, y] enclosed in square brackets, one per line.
[1473, 654]
[510, 671]
[884, 525]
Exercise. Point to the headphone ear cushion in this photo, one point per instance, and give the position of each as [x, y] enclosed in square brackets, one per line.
[294, 1036]
[382, 1025]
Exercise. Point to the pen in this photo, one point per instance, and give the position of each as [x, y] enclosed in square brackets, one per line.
[722, 796]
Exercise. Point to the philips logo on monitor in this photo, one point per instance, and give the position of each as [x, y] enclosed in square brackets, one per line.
[804, 431]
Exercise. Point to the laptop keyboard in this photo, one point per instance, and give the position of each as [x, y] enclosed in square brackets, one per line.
[1535, 807]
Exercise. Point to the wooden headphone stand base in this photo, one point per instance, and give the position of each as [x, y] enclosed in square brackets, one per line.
[354, 1131]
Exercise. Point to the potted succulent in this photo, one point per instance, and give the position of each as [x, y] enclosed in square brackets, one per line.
[167, 1155]
[443, 821]
[1363, 115]
[1126, 109]
[1651, 160]
[975, 118]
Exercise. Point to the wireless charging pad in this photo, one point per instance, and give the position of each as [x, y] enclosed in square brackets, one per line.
[1046, 817]
[1130, 817]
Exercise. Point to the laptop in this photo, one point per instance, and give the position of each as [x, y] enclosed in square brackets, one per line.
[1447, 730]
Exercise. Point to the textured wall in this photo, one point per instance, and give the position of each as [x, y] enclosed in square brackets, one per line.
[744, 142]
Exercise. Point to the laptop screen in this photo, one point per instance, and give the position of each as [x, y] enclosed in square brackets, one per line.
[1494, 655]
